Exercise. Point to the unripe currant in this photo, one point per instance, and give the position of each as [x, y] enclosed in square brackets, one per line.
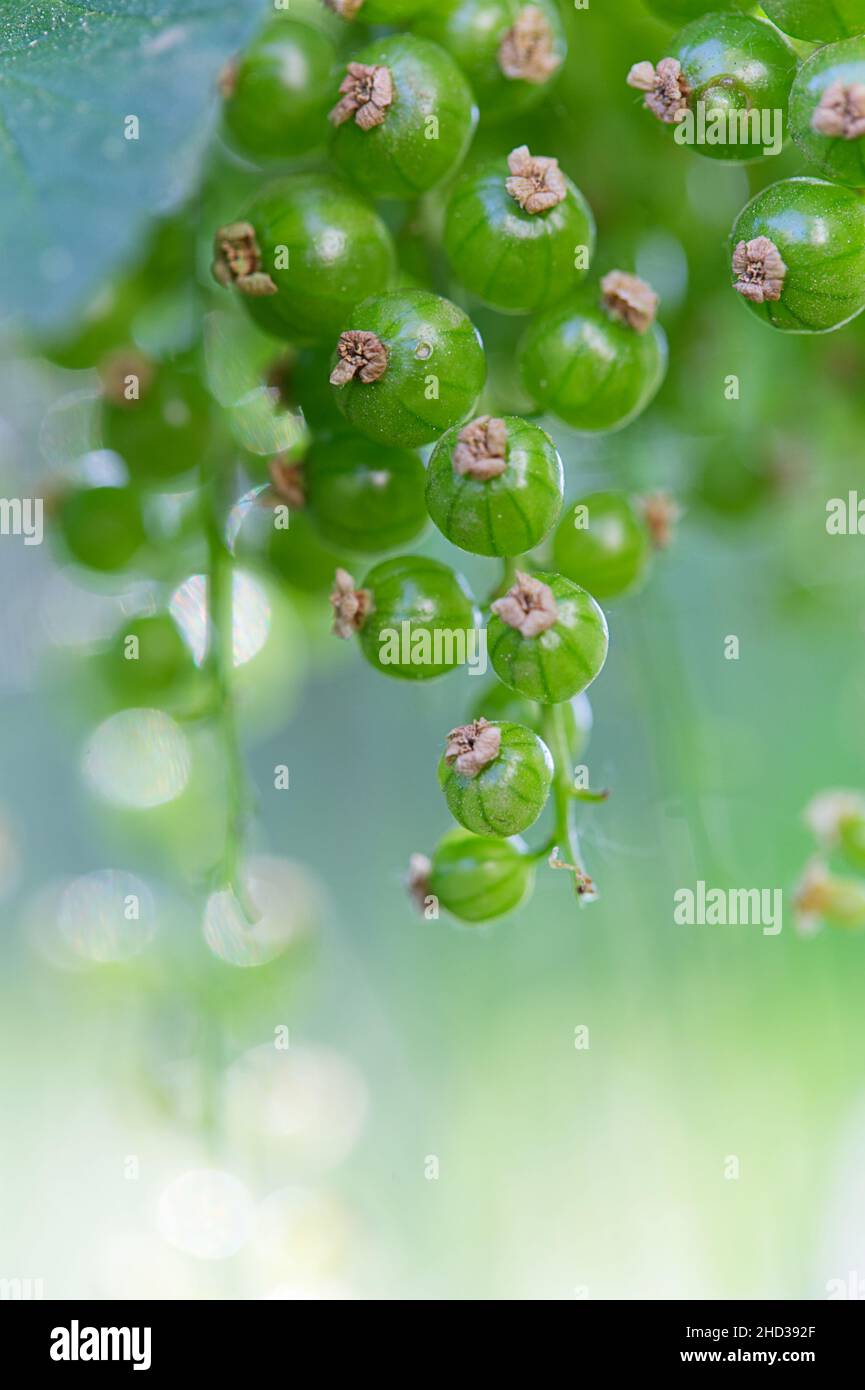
[407, 366]
[474, 878]
[363, 498]
[597, 361]
[156, 417]
[496, 777]
[414, 617]
[732, 73]
[404, 118]
[307, 250]
[603, 544]
[147, 661]
[299, 556]
[101, 527]
[494, 486]
[827, 111]
[547, 638]
[511, 51]
[679, 12]
[391, 12]
[277, 92]
[518, 233]
[798, 255]
[819, 21]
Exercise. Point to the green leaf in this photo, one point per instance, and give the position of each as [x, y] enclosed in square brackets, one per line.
[75, 193]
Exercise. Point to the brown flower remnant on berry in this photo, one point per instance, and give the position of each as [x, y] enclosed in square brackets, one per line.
[417, 879]
[529, 606]
[237, 260]
[841, 113]
[126, 376]
[288, 482]
[361, 355]
[471, 747]
[480, 450]
[630, 299]
[350, 605]
[366, 93]
[526, 51]
[227, 79]
[536, 183]
[759, 270]
[660, 513]
[346, 9]
[665, 86]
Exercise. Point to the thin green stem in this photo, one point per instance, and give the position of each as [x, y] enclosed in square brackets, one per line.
[219, 662]
[567, 840]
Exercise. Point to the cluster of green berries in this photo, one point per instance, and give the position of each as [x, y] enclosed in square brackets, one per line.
[388, 376]
[797, 251]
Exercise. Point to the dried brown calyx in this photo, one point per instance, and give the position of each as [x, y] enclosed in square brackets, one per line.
[665, 87]
[759, 270]
[841, 112]
[350, 605]
[417, 879]
[237, 260]
[527, 49]
[366, 92]
[628, 298]
[227, 79]
[473, 746]
[661, 512]
[361, 355]
[346, 9]
[528, 606]
[536, 181]
[288, 482]
[481, 449]
[126, 376]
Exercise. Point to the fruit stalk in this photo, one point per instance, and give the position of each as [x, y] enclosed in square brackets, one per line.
[567, 839]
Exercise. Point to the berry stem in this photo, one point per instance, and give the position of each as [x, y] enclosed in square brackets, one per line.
[218, 661]
[566, 836]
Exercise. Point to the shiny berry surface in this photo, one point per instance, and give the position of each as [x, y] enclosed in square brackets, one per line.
[420, 614]
[509, 792]
[602, 543]
[560, 661]
[477, 879]
[279, 91]
[827, 111]
[820, 21]
[363, 497]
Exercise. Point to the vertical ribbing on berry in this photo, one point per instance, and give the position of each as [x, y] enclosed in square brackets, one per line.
[528, 606]
[628, 298]
[759, 269]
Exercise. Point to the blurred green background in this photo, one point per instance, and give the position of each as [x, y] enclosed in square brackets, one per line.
[561, 1171]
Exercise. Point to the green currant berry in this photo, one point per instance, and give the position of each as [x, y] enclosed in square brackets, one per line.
[723, 87]
[679, 12]
[404, 119]
[827, 110]
[495, 486]
[496, 777]
[389, 12]
[307, 251]
[155, 417]
[416, 619]
[603, 544]
[547, 638]
[364, 498]
[511, 51]
[473, 878]
[300, 557]
[101, 527]
[518, 233]
[819, 21]
[596, 366]
[147, 660]
[798, 255]
[407, 367]
[277, 92]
